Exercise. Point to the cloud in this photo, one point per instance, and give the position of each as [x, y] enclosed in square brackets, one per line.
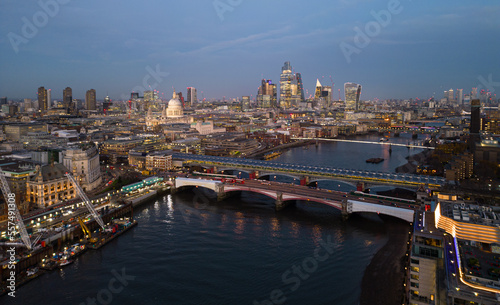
[218, 46]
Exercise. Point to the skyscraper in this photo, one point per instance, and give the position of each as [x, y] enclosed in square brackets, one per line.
[134, 95]
[319, 88]
[3, 101]
[300, 88]
[267, 94]
[460, 96]
[42, 99]
[473, 93]
[475, 116]
[192, 99]
[352, 93]
[148, 96]
[90, 100]
[67, 99]
[49, 98]
[324, 92]
[245, 103]
[450, 96]
[291, 88]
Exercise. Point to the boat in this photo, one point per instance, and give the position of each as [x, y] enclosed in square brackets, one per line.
[272, 155]
[48, 264]
[65, 262]
[384, 139]
[374, 160]
[32, 271]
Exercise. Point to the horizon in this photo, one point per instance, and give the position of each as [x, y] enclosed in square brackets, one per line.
[394, 49]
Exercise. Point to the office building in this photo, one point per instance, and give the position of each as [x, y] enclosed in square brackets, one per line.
[67, 99]
[324, 93]
[50, 186]
[192, 99]
[3, 101]
[460, 96]
[291, 88]
[473, 93]
[49, 98]
[90, 100]
[42, 99]
[83, 162]
[134, 96]
[267, 94]
[148, 96]
[352, 92]
[475, 116]
[245, 103]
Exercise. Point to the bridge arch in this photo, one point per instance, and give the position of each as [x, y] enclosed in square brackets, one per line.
[220, 170]
[187, 182]
[262, 174]
[311, 180]
[360, 206]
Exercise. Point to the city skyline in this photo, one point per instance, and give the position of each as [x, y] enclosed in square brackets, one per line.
[416, 51]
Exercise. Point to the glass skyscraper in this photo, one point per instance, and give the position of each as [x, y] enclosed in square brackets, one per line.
[352, 92]
[291, 88]
[267, 94]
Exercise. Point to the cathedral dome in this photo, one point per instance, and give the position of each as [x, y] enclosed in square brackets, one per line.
[174, 109]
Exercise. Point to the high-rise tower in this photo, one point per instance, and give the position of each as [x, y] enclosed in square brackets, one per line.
[475, 116]
[460, 96]
[267, 94]
[352, 93]
[291, 88]
[192, 98]
[67, 99]
[90, 100]
[49, 98]
[42, 99]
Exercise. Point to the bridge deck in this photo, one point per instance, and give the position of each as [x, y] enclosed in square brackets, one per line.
[315, 171]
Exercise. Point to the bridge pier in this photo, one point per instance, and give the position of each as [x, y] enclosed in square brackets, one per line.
[346, 209]
[173, 189]
[361, 186]
[221, 195]
[279, 203]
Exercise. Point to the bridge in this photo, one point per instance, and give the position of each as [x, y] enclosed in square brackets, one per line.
[284, 193]
[367, 142]
[260, 168]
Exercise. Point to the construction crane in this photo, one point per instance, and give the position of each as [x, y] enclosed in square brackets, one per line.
[19, 220]
[86, 230]
[86, 200]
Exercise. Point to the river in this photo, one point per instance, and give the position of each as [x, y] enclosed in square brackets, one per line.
[190, 249]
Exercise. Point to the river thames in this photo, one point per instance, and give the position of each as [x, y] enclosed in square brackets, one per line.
[190, 249]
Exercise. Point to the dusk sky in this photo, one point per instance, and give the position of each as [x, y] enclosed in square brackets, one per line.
[425, 48]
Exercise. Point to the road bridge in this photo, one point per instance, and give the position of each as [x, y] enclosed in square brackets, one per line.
[260, 168]
[284, 193]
